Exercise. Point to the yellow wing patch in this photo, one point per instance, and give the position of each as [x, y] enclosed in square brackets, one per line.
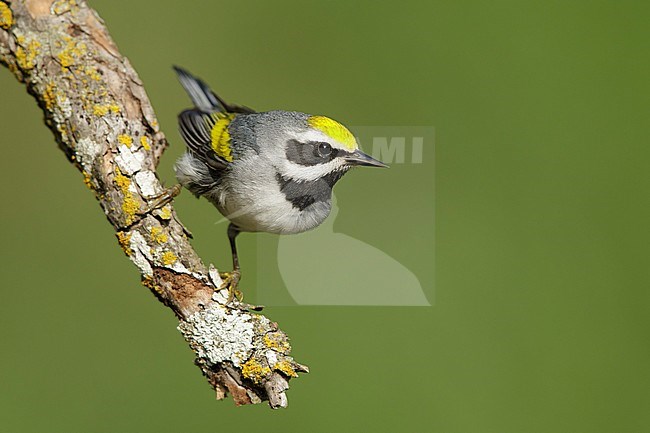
[221, 137]
[335, 130]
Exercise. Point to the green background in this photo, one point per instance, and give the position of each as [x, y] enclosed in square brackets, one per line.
[540, 318]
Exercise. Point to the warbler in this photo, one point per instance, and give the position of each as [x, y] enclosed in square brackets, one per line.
[265, 172]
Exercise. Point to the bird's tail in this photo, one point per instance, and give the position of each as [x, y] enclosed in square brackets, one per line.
[203, 98]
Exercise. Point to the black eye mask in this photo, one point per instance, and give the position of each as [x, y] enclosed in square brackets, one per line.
[311, 153]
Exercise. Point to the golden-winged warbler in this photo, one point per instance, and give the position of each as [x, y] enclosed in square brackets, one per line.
[265, 172]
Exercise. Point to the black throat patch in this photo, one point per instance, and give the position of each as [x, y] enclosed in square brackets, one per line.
[304, 194]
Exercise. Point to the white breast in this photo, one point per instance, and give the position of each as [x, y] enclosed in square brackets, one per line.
[252, 200]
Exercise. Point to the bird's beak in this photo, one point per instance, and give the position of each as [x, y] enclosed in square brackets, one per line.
[359, 158]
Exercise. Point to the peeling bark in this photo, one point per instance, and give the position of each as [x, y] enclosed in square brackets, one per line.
[100, 115]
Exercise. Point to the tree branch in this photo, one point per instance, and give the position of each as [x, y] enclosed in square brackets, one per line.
[100, 115]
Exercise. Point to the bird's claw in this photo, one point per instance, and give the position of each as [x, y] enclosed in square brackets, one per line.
[164, 198]
[231, 282]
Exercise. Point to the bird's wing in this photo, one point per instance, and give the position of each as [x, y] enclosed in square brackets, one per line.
[205, 127]
[207, 136]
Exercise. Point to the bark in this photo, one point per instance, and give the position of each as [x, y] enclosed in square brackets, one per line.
[100, 115]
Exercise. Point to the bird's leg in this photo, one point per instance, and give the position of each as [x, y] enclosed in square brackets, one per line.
[231, 279]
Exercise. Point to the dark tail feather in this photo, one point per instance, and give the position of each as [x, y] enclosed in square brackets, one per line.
[203, 98]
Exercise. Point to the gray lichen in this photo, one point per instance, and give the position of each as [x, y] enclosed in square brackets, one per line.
[218, 335]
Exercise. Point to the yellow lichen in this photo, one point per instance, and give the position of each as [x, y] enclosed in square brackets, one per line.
[93, 73]
[149, 282]
[61, 128]
[88, 180]
[6, 17]
[285, 367]
[65, 58]
[71, 52]
[253, 370]
[168, 258]
[125, 242]
[101, 92]
[276, 341]
[122, 181]
[62, 6]
[125, 140]
[26, 52]
[104, 109]
[100, 110]
[12, 68]
[166, 213]
[49, 98]
[130, 206]
[144, 141]
[158, 236]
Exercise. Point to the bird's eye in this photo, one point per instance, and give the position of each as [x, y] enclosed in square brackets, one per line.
[324, 149]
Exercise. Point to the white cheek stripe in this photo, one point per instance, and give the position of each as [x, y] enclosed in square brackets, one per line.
[312, 172]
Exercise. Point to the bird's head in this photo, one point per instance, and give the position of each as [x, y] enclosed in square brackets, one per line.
[307, 148]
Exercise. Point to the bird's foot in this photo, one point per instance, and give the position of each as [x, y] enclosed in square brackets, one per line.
[231, 282]
[164, 198]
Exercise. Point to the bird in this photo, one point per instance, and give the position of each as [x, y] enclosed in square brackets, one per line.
[267, 171]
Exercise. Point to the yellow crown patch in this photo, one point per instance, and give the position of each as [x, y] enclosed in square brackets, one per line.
[335, 130]
[221, 137]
